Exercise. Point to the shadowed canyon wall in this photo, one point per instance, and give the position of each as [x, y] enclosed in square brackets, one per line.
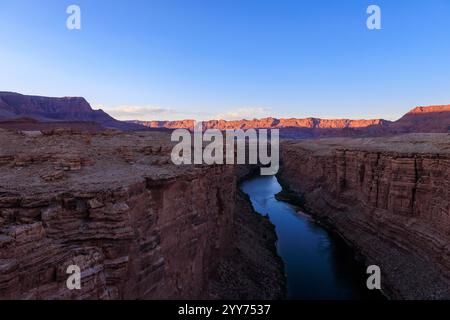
[111, 203]
[152, 239]
[390, 198]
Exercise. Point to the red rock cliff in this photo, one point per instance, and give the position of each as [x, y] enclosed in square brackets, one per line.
[389, 197]
[49, 109]
[424, 119]
[268, 123]
[432, 119]
[137, 226]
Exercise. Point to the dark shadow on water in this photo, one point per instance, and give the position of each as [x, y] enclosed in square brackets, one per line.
[319, 264]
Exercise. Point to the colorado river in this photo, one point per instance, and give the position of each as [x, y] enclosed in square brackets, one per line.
[318, 264]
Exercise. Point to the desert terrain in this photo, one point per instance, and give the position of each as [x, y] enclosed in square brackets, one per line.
[139, 226]
[388, 197]
[79, 187]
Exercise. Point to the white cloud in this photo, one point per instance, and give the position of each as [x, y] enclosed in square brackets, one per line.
[148, 113]
[141, 112]
[245, 113]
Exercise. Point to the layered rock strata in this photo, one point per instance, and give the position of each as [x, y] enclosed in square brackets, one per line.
[72, 110]
[114, 205]
[430, 119]
[389, 197]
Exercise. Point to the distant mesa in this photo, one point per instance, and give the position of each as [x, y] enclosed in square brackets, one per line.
[289, 128]
[432, 119]
[24, 112]
[430, 109]
[22, 108]
[267, 123]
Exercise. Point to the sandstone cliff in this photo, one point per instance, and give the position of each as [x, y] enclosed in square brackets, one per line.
[111, 203]
[252, 268]
[295, 128]
[389, 197]
[432, 119]
[73, 111]
[48, 109]
[423, 119]
[267, 123]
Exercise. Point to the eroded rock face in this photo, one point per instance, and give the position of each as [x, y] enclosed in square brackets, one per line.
[389, 197]
[252, 268]
[112, 204]
[298, 128]
[423, 119]
[23, 112]
[431, 119]
[48, 109]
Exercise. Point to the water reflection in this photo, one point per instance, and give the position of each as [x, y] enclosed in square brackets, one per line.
[319, 265]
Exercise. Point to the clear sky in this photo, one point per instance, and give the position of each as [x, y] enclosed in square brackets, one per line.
[175, 59]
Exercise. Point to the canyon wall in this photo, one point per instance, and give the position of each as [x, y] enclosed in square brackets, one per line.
[389, 197]
[151, 239]
[252, 269]
[111, 203]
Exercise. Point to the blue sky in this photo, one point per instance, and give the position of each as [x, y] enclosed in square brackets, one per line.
[175, 59]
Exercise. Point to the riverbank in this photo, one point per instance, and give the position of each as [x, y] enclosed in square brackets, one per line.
[319, 265]
[299, 200]
[289, 196]
[387, 197]
[252, 270]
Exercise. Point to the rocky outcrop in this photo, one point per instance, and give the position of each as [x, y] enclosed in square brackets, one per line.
[390, 198]
[296, 128]
[47, 109]
[180, 124]
[74, 111]
[423, 119]
[252, 268]
[267, 123]
[433, 119]
[113, 204]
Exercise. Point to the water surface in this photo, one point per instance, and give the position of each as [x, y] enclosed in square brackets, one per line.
[319, 264]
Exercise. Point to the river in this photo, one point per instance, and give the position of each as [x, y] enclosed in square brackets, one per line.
[318, 263]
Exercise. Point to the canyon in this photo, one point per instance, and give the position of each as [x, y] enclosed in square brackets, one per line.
[138, 226]
[79, 187]
[388, 197]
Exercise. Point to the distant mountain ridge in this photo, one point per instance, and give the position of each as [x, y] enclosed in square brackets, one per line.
[15, 106]
[49, 109]
[289, 128]
[424, 119]
[268, 123]
[430, 119]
